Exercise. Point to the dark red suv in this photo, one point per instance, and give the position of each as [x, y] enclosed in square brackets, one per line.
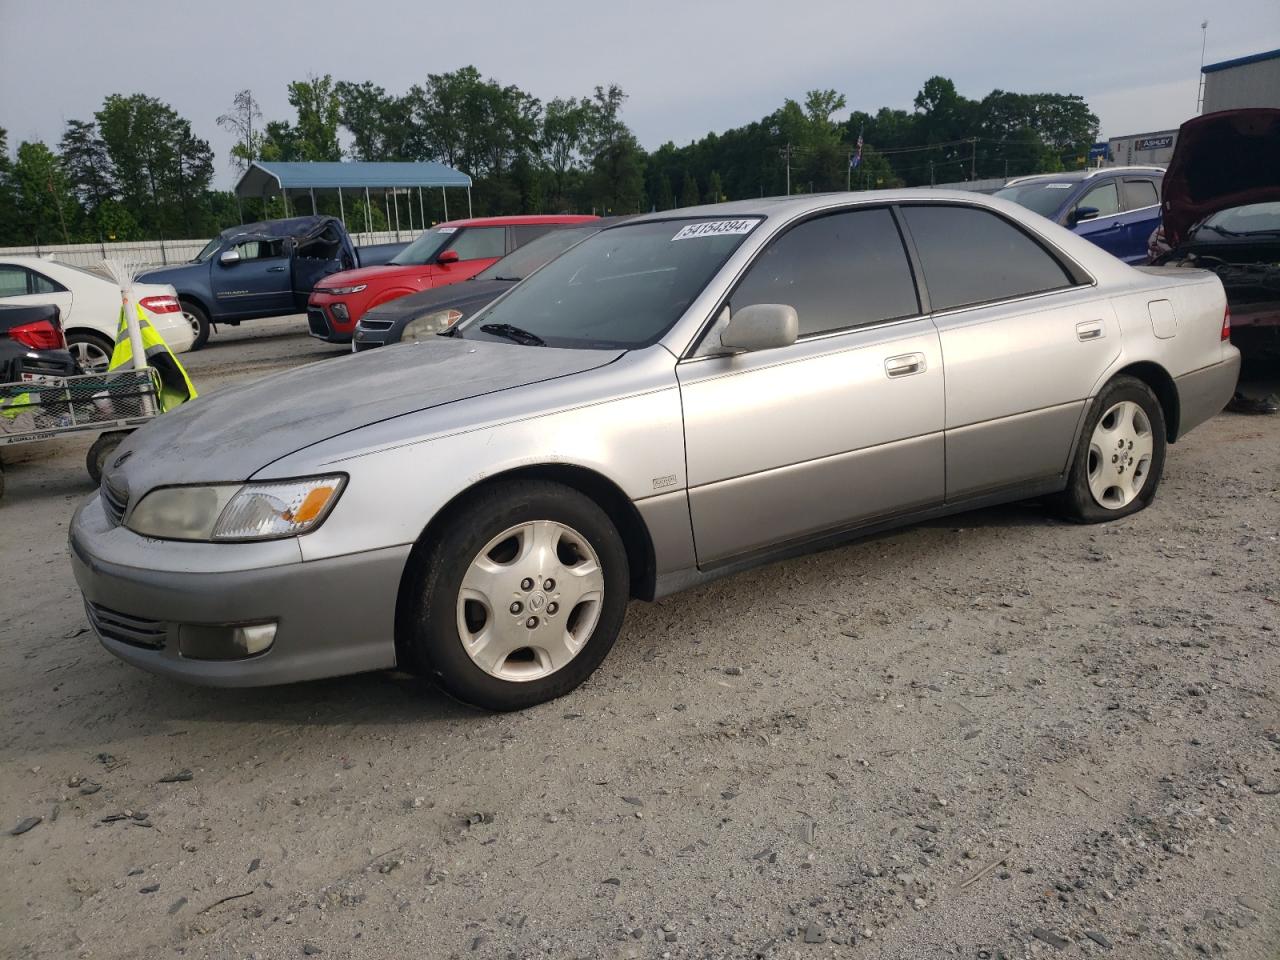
[445, 254]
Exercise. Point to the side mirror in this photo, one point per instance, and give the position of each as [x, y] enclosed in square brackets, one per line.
[1084, 213]
[228, 257]
[761, 326]
[448, 256]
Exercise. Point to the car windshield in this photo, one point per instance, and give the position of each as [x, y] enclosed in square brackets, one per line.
[1044, 197]
[623, 287]
[424, 249]
[535, 253]
[209, 250]
[1242, 221]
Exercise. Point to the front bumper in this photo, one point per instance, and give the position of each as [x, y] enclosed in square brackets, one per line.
[371, 332]
[333, 616]
[329, 319]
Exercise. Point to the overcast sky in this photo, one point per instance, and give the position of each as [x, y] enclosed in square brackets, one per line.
[689, 67]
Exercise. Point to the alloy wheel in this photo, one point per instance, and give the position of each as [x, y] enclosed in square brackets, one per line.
[91, 357]
[530, 600]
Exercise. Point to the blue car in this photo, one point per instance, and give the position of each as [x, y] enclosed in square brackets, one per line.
[1117, 208]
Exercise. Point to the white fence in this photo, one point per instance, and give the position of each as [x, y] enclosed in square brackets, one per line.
[158, 252]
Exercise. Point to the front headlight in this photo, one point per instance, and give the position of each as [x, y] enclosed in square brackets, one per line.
[343, 291]
[233, 511]
[429, 325]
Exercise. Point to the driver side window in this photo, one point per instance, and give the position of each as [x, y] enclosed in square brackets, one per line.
[260, 249]
[1104, 197]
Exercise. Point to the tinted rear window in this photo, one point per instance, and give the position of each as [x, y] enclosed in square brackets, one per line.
[1139, 193]
[973, 256]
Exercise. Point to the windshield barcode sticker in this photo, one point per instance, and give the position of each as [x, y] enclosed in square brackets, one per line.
[714, 228]
[446, 229]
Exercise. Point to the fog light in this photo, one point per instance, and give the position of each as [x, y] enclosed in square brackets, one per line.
[340, 312]
[200, 642]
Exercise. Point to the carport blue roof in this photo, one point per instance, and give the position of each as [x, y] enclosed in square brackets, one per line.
[263, 178]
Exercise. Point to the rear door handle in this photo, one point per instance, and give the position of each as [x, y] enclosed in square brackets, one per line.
[905, 365]
[275, 269]
[1090, 330]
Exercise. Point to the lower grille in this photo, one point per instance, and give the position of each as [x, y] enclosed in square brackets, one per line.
[114, 502]
[135, 631]
[317, 323]
[377, 324]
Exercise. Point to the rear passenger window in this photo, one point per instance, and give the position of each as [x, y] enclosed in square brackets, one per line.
[839, 271]
[480, 243]
[13, 281]
[1139, 193]
[42, 284]
[972, 256]
[523, 233]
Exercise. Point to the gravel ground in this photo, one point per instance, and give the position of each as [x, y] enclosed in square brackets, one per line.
[992, 736]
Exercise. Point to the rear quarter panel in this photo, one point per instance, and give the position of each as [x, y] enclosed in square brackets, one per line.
[1198, 303]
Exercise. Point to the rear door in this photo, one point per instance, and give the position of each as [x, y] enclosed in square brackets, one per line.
[1140, 197]
[840, 428]
[1106, 228]
[1025, 337]
[259, 284]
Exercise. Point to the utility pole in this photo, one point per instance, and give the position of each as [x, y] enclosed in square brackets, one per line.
[973, 158]
[848, 172]
[932, 182]
[1204, 38]
[786, 153]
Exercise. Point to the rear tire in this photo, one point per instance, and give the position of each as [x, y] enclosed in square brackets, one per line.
[1119, 459]
[519, 599]
[199, 321]
[91, 350]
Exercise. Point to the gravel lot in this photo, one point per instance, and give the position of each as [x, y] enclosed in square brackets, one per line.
[992, 736]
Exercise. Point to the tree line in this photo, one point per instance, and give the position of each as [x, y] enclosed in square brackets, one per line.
[136, 170]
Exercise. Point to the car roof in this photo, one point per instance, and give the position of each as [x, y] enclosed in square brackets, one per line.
[530, 219]
[1076, 176]
[785, 207]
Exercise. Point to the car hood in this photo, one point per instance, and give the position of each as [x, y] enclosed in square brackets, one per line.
[1221, 160]
[467, 297]
[231, 434]
[382, 273]
[167, 275]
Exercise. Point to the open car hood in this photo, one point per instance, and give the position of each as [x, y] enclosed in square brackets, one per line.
[1221, 160]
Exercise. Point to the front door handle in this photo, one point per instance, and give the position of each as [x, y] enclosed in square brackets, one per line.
[275, 269]
[1090, 330]
[905, 365]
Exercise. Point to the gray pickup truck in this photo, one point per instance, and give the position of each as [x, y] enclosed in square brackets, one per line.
[265, 269]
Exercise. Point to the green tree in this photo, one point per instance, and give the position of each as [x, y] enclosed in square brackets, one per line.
[617, 162]
[9, 231]
[665, 199]
[44, 199]
[715, 189]
[689, 191]
[87, 164]
[319, 110]
[565, 126]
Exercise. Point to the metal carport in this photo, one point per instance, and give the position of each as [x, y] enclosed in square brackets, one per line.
[264, 180]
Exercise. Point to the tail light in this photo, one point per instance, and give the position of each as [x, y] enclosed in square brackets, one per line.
[1226, 323]
[161, 304]
[41, 335]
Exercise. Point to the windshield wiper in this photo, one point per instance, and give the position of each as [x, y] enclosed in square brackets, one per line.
[511, 332]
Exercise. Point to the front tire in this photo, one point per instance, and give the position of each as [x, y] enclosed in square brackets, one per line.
[520, 598]
[1120, 457]
[199, 321]
[95, 460]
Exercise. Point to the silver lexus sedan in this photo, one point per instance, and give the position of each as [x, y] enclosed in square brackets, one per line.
[676, 398]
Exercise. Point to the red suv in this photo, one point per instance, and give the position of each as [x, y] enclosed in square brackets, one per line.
[445, 254]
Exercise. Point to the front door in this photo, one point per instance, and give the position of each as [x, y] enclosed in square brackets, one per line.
[1024, 343]
[258, 284]
[838, 429]
[1105, 227]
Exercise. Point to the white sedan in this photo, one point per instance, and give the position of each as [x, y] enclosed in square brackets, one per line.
[90, 306]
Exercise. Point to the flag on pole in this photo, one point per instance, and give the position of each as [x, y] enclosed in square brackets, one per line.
[855, 161]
